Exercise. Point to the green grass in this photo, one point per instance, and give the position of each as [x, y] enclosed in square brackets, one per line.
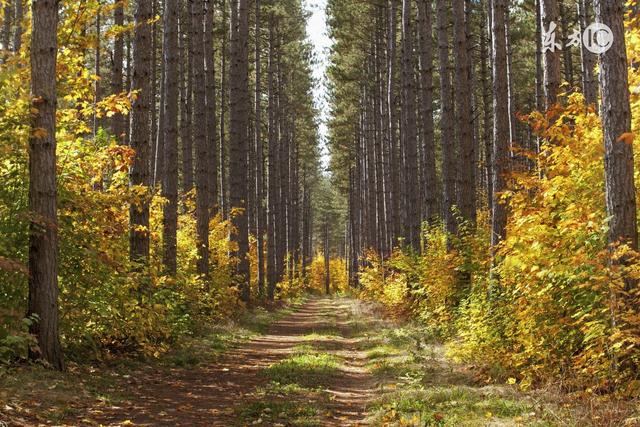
[307, 370]
[381, 352]
[416, 386]
[451, 406]
[60, 398]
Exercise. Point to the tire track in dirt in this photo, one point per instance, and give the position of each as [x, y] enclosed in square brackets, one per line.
[212, 394]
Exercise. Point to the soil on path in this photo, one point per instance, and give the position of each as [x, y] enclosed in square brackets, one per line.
[215, 394]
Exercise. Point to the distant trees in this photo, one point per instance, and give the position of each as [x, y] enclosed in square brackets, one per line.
[472, 133]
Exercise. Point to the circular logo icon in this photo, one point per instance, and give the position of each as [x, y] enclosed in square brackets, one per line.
[597, 38]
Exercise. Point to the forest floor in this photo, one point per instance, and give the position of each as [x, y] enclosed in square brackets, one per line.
[325, 362]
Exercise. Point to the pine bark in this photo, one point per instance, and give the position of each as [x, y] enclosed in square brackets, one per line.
[7, 24]
[412, 231]
[200, 136]
[186, 128]
[170, 131]
[447, 134]
[589, 79]
[549, 15]
[466, 194]
[394, 213]
[239, 122]
[260, 214]
[118, 120]
[273, 168]
[500, 121]
[140, 134]
[616, 123]
[211, 112]
[43, 226]
[430, 191]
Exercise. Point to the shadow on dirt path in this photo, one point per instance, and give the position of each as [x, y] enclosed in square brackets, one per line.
[308, 369]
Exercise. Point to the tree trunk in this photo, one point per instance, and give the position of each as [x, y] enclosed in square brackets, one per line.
[616, 123]
[17, 35]
[260, 217]
[200, 136]
[273, 168]
[589, 80]
[154, 95]
[446, 120]
[239, 120]
[426, 77]
[500, 122]
[212, 122]
[410, 135]
[394, 213]
[140, 134]
[566, 53]
[96, 99]
[186, 73]
[170, 131]
[539, 73]
[466, 193]
[43, 226]
[327, 259]
[487, 122]
[551, 54]
[118, 120]
[6, 25]
[224, 202]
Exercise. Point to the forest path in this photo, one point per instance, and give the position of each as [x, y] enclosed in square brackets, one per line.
[308, 369]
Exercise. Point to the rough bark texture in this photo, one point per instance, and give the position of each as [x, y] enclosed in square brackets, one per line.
[487, 120]
[260, 215]
[500, 121]
[426, 77]
[410, 135]
[170, 131]
[616, 122]
[589, 79]
[273, 167]
[186, 90]
[200, 136]
[43, 227]
[447, 135]
[567, 57]
[140, 134]
[466, 194]
[212, 122]
[6, 24]
[549, 14]
[539, 72]
[239, 121]
[118, 120]
[394, 213]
